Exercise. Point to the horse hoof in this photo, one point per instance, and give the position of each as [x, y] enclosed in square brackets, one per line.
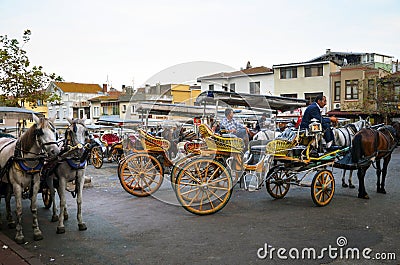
[20, 240]
[363, 196]
[82, 227]
[383, 191]
[60, 230]
[37, 237]
[11, 225]
[344, 185]
[54, 218]
[351, 186]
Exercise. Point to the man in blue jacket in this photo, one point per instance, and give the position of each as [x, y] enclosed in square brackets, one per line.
[313, 111]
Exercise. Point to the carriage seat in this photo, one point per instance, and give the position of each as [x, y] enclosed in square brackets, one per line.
[110, 138]
[287, 135]
[258, 146]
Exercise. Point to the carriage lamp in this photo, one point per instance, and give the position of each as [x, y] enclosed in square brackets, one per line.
[315, 126]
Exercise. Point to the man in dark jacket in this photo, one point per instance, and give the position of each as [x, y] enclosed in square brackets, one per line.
[313, 111]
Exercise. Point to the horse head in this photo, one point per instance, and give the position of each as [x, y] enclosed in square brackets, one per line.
[361, 123]
[45, 134]
[77, 135]
[396, 126]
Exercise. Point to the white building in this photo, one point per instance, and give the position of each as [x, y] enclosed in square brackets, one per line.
[252, 80]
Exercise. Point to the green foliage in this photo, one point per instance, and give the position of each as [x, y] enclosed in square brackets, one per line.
[19, 81]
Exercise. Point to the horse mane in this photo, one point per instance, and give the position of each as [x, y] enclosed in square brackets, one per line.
[27, 139]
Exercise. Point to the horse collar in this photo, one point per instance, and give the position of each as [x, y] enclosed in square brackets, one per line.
[74, 165]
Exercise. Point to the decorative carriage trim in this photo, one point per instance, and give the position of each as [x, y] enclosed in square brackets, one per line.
[279, 147]
[153, 143]
[225, 144]
[205, 131]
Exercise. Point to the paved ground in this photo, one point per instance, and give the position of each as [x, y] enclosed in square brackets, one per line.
[123, 229]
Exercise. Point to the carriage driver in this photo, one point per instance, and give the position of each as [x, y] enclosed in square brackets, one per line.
[313, 111]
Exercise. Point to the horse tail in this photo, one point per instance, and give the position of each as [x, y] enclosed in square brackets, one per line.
[357, 148]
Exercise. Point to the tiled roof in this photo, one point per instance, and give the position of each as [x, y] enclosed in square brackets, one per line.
[78, 87]
[105, 97]
[250, 71]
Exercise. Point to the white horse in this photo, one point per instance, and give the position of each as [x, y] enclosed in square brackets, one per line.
[23, 159]
[71, 166]
[343, 137]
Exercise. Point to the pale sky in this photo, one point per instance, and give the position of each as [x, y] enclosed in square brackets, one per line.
[130, 42]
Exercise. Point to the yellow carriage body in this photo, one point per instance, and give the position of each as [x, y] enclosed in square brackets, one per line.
[153, 143]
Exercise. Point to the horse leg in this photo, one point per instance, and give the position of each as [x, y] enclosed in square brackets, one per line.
[384, 172]
[50, 184]
[19, 236]
[37, 234]
[361, 189]
[61, 195]
[10, 221]
[81, 182]
[378, 175]
[344, 185]
[351, 186]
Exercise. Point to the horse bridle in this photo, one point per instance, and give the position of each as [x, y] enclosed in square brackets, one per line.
[39, 132]
[70, 135]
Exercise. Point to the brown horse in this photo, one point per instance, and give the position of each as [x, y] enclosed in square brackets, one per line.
[369, 145]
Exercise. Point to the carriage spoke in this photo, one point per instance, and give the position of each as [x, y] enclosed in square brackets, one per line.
[215, 195]
[190, 191]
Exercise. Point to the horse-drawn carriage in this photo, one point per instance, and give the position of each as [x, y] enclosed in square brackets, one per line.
[203, 180]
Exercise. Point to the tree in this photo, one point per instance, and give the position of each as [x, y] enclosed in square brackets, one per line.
[379, 97]
[18, 80]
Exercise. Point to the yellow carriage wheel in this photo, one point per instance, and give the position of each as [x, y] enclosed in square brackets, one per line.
[140, 174]
[323, 187]
[178, 166]
[276, 182]
[96, 157]
[203, 186]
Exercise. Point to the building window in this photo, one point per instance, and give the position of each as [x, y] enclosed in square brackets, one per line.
[311, 96]
[211, 87]
[351, 89]
[289, 95]
[313, 70]
[105, 110]
[288, 72]
[255, 88]
[115, 110]
[133, 109]
[371, 89]
[225, 87]
[96, 111]
[232, 87]
[123, 108]
[396, 94]
[337, 91]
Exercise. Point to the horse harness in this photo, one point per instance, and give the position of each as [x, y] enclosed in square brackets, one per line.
[376, 142]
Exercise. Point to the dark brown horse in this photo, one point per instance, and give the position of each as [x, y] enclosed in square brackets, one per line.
[369, 145]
